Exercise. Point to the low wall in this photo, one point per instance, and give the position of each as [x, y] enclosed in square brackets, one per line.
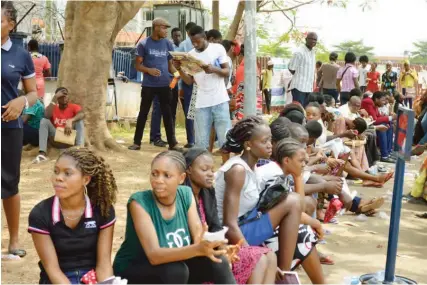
[128, 101]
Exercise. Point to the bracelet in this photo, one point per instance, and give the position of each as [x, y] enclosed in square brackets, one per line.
[26, 102]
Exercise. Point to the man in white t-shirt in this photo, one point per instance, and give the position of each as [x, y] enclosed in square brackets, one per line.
[212, 97]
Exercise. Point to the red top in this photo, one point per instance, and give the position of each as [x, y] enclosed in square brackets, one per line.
[373, 82]
[59, 117]
[369, 105]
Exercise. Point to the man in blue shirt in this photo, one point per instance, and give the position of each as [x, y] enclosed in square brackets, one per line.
[187, 46]
[154, 60]
[156, 115]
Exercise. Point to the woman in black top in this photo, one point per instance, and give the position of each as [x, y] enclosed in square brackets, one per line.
[16, 66]
[73, 230]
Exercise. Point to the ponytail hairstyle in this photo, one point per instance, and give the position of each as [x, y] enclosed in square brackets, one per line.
[176, 157]
[102, 188]
[286, 148]
[241, 133]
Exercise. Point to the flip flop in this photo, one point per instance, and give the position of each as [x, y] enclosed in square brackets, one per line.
[369, 183]
[18, 252]
[388, 176]
[326, 260]
[422, 216]
[375, 203]
[40, 158]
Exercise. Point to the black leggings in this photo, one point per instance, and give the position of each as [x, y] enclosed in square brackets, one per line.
[267, 98]
[192, 271]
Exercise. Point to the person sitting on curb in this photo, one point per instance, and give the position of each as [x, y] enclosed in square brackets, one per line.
[60, 114]
[31, 118]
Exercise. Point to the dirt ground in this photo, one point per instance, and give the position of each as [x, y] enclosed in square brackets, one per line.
[356, 249]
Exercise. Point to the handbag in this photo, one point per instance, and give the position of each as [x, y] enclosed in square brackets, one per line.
[269, 198]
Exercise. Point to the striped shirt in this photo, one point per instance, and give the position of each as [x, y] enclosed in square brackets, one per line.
[348, 79]
[303, 63]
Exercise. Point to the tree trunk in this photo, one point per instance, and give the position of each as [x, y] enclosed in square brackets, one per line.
[90, 31]
[215, 14]
[234, 27]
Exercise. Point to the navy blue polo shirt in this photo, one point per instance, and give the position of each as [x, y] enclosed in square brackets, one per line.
[16, 64]
[75, 248]
[155, 54]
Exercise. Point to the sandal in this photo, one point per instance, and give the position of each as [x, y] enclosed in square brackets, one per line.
[18, 252]
[134, 147]
[40, 158]
[374, 204]
[422, 216]
[326, 260]
[369, 183]
[386, 177]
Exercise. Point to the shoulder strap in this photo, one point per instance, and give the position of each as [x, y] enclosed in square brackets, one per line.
[342, 75]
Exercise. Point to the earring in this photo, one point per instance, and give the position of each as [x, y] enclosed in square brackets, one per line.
[85, 190]
[248, 148]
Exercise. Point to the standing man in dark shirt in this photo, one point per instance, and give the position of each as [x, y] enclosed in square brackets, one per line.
[154, 60]
[156, 115]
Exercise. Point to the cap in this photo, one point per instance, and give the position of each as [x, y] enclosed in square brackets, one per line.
[161, 22]
[270, 63]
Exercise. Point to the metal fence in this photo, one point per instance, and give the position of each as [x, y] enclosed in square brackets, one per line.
[123, 60]
[53, 52]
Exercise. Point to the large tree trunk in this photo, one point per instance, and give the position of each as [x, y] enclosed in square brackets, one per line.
[234, 27]
[215, 14]
[90, 31]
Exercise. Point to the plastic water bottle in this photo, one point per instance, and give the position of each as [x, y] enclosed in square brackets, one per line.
[10, 257]
[351, 280]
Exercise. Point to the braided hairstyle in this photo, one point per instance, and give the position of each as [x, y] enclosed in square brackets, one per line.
[9, 10]
[279, 129]
[241, 133]
[286, 148]
[176, 157]
[102, 188]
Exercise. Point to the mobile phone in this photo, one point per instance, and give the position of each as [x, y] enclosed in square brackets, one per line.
[289, 277]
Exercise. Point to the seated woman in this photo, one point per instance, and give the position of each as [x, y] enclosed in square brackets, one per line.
[255, 265]
[164, 237]
[73, 230]
[294, 112]
[314, 184]
[420, 134]
[337, 166]
[237, 194]
[357, 157]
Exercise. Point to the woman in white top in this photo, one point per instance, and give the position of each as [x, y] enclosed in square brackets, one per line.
[237, 195]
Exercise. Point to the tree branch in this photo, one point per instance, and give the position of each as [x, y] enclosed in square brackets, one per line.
[286, 15]
[288, 8]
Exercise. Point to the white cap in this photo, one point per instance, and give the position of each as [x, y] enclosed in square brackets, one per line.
[270, 63]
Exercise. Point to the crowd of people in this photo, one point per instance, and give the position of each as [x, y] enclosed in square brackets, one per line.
[278, 182]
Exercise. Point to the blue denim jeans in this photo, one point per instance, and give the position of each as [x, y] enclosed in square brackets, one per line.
[301, 97]
[74, 276]
[385, 141]
[332, 92]
[219, 115]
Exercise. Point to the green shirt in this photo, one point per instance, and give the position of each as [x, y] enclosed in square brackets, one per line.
[170, 233]
[36, 113]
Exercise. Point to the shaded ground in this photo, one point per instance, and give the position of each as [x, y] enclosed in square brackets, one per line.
[355, 250]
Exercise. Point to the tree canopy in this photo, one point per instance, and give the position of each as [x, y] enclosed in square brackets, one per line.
[357, 47]
[419, 55]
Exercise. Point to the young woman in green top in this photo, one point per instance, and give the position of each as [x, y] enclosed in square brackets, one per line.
[164, 236]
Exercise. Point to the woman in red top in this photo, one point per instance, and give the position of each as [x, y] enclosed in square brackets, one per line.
[373, 79]
[41, 66]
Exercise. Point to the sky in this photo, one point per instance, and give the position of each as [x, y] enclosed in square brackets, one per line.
[390, 26]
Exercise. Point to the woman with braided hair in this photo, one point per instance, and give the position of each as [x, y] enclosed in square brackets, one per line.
[238, 193]
[73, 230]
